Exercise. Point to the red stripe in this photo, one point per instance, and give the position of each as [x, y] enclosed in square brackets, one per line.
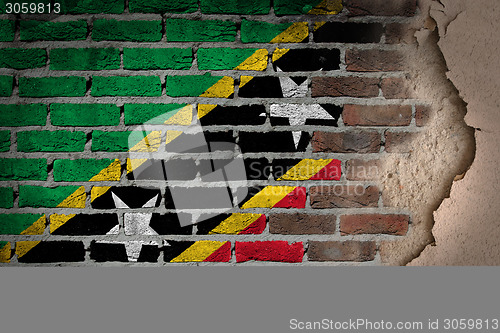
[256, 227]
[294, 199]
[222, 254]
[331, 171]
[269, 251]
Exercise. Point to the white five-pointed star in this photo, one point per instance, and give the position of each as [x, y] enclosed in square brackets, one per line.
[135, 224]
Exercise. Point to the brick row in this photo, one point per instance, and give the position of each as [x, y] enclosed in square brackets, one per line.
[188, 251]
[254, 7]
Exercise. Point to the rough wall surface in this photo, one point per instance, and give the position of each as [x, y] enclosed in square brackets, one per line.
[466, 227]
[341, 114]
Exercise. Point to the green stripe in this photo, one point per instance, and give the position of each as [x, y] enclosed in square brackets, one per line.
[222, 58]
[39, 196]
[15, 224]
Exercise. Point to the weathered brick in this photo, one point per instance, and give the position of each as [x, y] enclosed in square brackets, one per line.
[5, 252]
[47, 141]
[345, 86]
[400, 142]
[53, 31]
[50, 251]
[84, 59]
[422, 115]
[280, 251]
[374, 224]
[84, 114]
[397, 33]
[7, 30]
[23, 169]
[137, 114]
[6, 197]
[242, 7]
[377, 115]
[66, 86]
[363, 169]
[83, 170]
[92, 6]
[297, 224]
[347, 32]
[23, 114]
[199, 251]
[350, 142]
[6, 84]
[4, 141]
[227, 58]
[127, 31]
[381, 7]
[126, 86]
[341, 251]
[162, 6]
[344, 196]
[263, 32]
[39, 196]
[22, 224]
[393, 87]
[117, 141]
[196, 85]
[18, 58]
[142, 58]
[374, 60]
[183, 30]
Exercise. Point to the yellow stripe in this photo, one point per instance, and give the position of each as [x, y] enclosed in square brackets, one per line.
[5, 253]
[75, 200]
[148, 144]
[204, 109]
[327, 7]
[199, 251]
[278, 53]
[134, 163]
[24, 247]
[58, 220]
[235, 223]
[36, 228]
[305, 169]
[256, 62]
[222, 88]
[112, 172]
[98, 191]
[183, 117]
[244, 80]
[318, 25]
[295, 33]
[172, 135]
[268, 197]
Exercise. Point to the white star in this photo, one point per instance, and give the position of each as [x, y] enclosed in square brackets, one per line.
[290, 88]
[297, 114]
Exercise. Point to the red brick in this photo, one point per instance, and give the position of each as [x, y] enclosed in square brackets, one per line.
[422, 115]
[341, 251]
[345, 86]
[396, 88]
[381, 7]
[397, 33]
[374, 60]
[376, 115]
[279, 251]
[362, 169]
[400, 142]
[344, 196]
[374, 224]
[297, 224]
[351, 142]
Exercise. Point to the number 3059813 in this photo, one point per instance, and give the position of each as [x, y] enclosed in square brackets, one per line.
[32, 8]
